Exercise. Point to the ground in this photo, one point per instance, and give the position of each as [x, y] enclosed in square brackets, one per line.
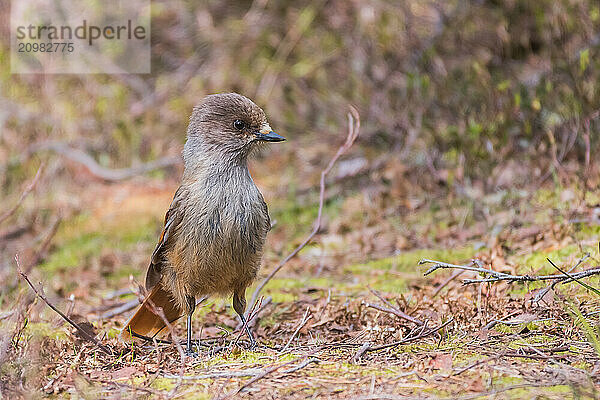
[322, 317]
[478, 140]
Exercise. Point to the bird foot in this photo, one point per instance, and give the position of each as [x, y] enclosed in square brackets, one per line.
[252, 345]
[191, 353]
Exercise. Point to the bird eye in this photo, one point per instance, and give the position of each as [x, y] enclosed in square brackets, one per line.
[239, 124]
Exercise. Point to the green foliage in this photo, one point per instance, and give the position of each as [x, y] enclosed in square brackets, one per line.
[592, 332]
[83, 238]
[481, 82]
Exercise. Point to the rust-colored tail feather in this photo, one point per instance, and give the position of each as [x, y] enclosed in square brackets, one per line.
[144, 322]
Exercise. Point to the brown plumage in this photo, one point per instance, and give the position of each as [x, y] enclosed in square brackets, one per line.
[216, 226]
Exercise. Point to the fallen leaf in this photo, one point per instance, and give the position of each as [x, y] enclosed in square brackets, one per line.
[441, 361]
[123, 373]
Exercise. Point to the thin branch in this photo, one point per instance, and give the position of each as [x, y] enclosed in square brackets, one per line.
[251, 322]
[495, 322]
[302, 365]
[446, 282]
[84, 334]
[251, 315]
[496, 276]
[250, 372]
[120, 309]
[42, 252]
[393, 310]
[576, 279]
[411, 338]
[540, 295]
[262, 375]
[303, 322]
[25, 193]
[353, 129]
[477, 363]
[160, 313]
[107, 174]
[587, 141]
[361, 351]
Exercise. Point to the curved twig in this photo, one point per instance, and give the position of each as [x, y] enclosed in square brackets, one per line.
[496, 276]
[25, 193]
[353, 129]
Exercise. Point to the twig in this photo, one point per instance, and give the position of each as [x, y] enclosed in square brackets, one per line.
[501, 276]
[220, 374]
[303, 364]
[393, 310]
[397, 313]
[446, 282]
[540, 295]
[25, 193]
[120, 309]
[587, 141]
[263, 304]
[107, 174]
[477, 363]
[250, 372]
[261, 376]
[117, 293]
[353, 129]
[495, 322]
[160, 313]
[256, 307]
[361, 351]
[534, 356]
[42, 252]
[576, 279]
[84, 334]
[15, 232]
[303, 322]
[412, 338]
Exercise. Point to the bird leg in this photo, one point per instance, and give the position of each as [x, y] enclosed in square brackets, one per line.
[191, 307]
[239, 305]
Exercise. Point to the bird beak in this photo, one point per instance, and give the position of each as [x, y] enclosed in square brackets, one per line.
[267, 135]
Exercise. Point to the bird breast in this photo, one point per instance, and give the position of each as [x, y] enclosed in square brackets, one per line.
[227, 222]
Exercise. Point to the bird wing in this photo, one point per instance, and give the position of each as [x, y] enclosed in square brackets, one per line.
[167, 238]
[264, 204]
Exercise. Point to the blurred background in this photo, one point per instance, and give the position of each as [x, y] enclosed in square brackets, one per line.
[478, 119]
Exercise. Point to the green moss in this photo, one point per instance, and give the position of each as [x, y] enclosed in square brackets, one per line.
[526, 392]
[297, 219]
[283, 290]
[167, 384]
[389, 274]
[81, 239]
[409, 261]
[44, 329]
[112, 333]
[538, 260]
[585, 231]
[245, 357]
[392, 273]
[592, 198]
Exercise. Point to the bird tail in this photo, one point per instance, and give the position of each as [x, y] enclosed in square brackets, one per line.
[144, 321]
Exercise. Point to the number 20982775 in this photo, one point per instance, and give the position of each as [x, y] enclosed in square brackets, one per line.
[49, 47]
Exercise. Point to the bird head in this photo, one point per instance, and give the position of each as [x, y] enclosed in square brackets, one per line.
[227, 125]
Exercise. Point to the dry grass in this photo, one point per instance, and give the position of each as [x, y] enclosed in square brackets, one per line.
[479, 125]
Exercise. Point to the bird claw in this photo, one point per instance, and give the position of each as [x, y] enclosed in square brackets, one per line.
[191, 353]
[252, 345]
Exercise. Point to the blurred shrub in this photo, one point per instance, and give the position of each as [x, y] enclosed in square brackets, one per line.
[443, 83]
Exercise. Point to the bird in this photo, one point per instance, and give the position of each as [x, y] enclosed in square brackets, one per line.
[215, 228]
